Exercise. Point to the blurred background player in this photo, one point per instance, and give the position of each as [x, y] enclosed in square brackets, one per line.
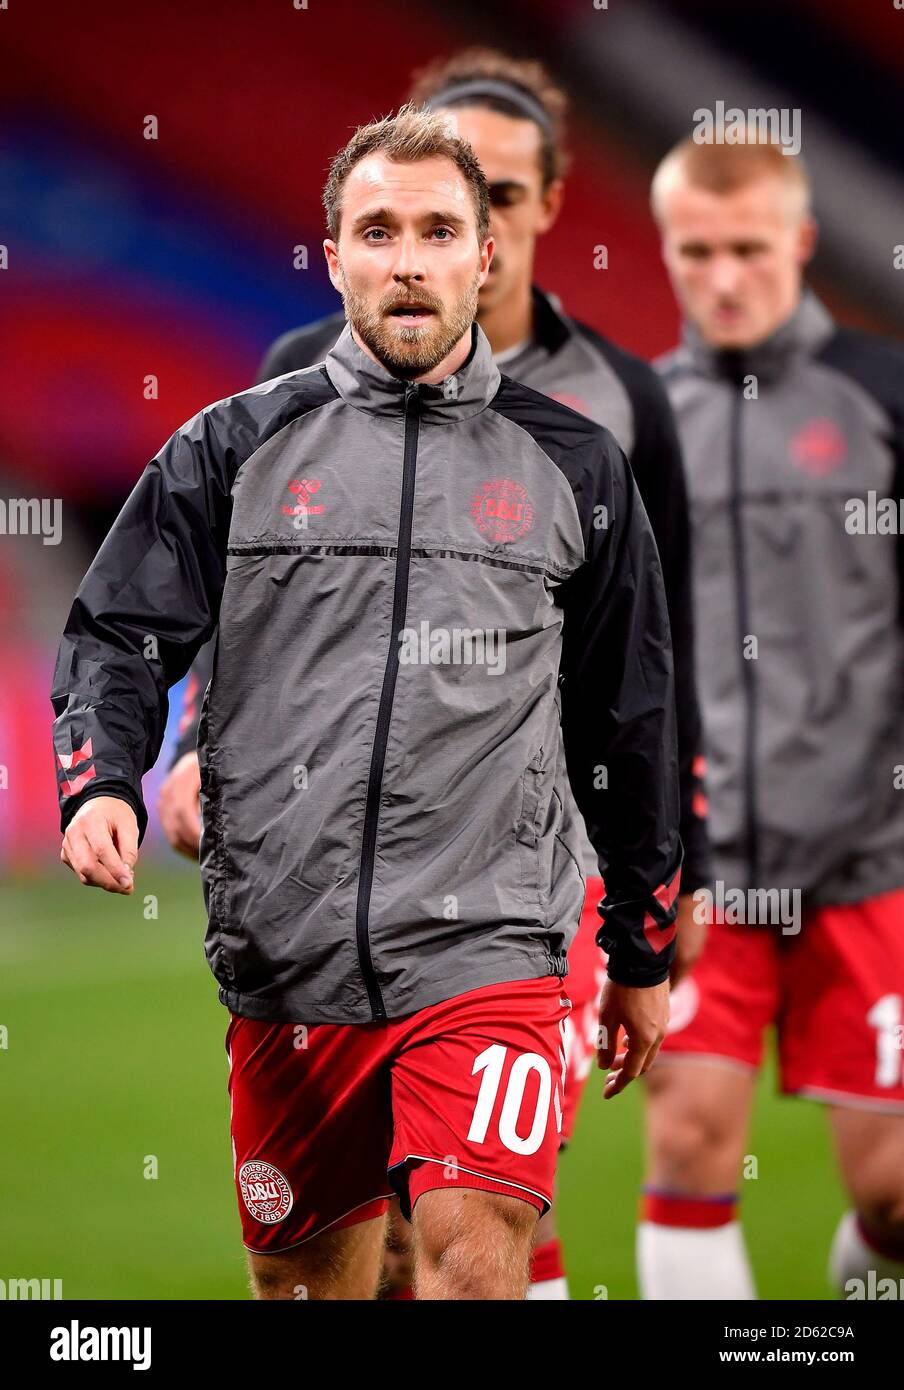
[513, 115]
[789, 424]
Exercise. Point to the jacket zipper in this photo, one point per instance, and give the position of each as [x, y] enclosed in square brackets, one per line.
[748, 679]
[384, 712]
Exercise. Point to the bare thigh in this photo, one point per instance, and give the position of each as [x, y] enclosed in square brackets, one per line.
[333, 1265]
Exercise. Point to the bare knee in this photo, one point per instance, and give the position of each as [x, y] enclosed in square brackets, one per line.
[871, 1154]
[685, 1153]
[471, 1244]
[883, 1213]
[697, 1120]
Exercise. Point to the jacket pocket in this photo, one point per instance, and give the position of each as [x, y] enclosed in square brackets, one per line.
[535, 839]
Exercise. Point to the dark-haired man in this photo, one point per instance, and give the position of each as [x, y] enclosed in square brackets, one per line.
[387, 845]
[513, 114]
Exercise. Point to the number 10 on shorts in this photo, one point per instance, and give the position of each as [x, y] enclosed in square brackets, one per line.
[491, 1062]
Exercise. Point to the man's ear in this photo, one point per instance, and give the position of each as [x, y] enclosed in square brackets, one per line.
[331, 252]
[808, 236]
[551, 205]
[486, 258]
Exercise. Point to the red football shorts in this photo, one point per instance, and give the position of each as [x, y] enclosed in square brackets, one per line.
[834, 991]
[328, 1119]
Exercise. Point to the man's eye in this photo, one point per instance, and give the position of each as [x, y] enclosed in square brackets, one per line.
[444, 232]
[373, 232]
[503, 195]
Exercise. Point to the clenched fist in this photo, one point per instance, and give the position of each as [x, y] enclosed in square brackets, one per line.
[101, 844]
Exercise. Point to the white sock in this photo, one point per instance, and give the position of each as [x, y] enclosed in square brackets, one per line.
[852, 1259]
[548, 1289]
[687, 1262]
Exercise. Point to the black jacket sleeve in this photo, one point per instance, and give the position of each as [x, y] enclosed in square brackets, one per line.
[658, 468]
[292, 352]
[148, 602]
[618, 723]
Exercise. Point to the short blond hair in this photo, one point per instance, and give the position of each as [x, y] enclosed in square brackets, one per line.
[411, 134]
[724, 168]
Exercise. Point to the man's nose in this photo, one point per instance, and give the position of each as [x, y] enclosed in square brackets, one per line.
[409, 261]
[725, 273]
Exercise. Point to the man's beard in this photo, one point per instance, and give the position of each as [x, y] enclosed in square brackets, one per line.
[411, 352]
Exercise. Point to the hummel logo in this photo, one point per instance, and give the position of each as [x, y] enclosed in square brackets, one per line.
[67, 761]
[304, 489]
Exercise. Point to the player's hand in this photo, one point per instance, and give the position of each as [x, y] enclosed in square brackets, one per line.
[690, 937]
[179, 806]
[644, 1015]
[101, 844]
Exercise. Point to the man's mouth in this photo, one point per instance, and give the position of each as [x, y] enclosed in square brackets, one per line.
[411, 313]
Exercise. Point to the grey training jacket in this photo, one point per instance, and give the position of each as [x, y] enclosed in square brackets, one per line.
[804, 726]
[435, 604]
[570, 362]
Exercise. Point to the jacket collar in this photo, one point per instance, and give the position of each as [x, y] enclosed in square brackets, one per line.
[367, 385]
[803, 333]
[552, 329]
